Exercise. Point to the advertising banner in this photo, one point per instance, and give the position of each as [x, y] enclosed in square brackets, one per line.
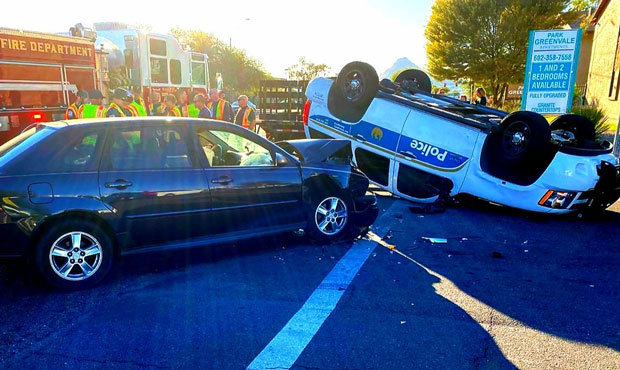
[550, 71]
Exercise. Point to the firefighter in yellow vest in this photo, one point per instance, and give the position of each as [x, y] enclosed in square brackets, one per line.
[73, 109]
[219, 107]
[156, 106]
[138, 102]
[181, 97]
[171, 109]
[245, 116]
[121, 99]
[192, 110]
[94, 108]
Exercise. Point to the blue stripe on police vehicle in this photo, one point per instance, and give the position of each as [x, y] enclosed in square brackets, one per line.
[389, 140]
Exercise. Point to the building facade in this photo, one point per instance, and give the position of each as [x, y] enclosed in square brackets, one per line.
[604, 71]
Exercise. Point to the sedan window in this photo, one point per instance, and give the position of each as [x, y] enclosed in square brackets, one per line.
[149, 148]
[227, 149]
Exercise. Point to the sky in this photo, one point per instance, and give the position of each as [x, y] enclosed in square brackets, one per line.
[275, 32]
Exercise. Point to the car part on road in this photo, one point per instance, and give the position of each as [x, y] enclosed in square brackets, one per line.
[354, 89]
[414, 80]
[74, 254]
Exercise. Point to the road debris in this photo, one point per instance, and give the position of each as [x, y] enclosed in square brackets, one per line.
[497, 255]
[435, 240]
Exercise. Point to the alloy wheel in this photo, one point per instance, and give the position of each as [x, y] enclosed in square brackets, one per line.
[75, 256]
[331, 216]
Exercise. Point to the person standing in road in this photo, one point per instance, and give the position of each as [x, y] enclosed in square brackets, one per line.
[121, 99]
[481, 96]
[181, 98]
[73, 109]
[171, 109]
[219, 107]
[246, 116]
[156, 106]
[138, 102]
[94, 108]
[200, 102]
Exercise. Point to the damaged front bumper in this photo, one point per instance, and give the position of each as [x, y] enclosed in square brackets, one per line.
[365, 211]
[605, 193]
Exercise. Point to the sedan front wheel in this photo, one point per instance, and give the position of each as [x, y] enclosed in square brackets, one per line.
[328, 219]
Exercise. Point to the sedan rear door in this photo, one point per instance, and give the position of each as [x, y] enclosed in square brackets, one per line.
[151, 179]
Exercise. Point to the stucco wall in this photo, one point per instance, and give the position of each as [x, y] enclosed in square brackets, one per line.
[602, 60]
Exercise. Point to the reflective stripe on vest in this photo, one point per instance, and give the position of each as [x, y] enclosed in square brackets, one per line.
[140, 110]
[133, 110]
[246, 116]
[114, 106]
[218, 113]
[74, 109]
[173, 112]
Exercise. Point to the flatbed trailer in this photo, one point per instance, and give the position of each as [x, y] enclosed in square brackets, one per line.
[280, 109]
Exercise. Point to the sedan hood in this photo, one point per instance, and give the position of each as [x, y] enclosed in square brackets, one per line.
[318, 150]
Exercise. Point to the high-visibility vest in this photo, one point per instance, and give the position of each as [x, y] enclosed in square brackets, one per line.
[173, 112]
[246, 115]
[91, 111]
[119, 109]
[140, 110]
[184, 110]
[192, 110]
[158, 110]
[132, 108]
[218, 113]
[74, 108]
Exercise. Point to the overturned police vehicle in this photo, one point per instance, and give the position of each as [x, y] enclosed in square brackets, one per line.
[424, 147]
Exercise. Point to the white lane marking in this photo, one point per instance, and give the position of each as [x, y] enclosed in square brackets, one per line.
[286, 347]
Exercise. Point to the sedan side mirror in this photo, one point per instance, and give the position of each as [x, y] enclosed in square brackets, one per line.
[281, 160]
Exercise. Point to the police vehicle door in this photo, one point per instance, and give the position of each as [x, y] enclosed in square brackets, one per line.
[432, 157]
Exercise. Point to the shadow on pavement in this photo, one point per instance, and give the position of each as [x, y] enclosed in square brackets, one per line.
[556, 274]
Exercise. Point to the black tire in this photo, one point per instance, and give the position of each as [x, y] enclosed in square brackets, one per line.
[522, 137]
[415, 78]
[314, 219]
[350, 95]
[580, 126]
[60, 235]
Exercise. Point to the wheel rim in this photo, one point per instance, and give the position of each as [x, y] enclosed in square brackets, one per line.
[354, 86]
[75, 256]
[331, 216]
[516, 138]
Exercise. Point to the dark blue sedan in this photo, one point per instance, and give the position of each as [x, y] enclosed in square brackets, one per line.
[74, 195]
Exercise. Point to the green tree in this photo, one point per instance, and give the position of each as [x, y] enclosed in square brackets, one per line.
[486, 40]
[241, 73]
[305, 70]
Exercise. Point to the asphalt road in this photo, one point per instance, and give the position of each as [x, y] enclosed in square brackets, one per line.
[507, 290]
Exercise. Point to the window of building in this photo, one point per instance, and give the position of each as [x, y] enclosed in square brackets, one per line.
[159, 70]
[157, 47]
[175, 71]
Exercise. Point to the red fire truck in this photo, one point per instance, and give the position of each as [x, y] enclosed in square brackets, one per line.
[40, 73]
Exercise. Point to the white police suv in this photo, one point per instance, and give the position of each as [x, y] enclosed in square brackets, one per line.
[421, 146]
